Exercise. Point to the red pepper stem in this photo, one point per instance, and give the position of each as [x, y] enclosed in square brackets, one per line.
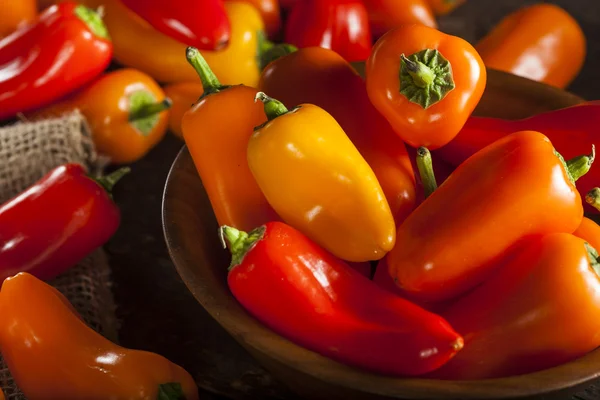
[210, 83]
[240, 242]
[109, 181]
[593, 198]
[425, 166]
[273, 108]
[579, 166]
[149, 109]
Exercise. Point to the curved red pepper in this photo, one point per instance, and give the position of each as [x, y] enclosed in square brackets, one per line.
[56, 222]
[200, 23]
[305, 294]
[340, 25]
[63, 50]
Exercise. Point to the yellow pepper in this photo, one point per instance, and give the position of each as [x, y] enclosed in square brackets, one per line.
[318, 182]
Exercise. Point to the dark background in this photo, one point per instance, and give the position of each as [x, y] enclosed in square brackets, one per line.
[155, 309]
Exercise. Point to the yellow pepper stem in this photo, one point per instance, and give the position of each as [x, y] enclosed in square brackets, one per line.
[425, 166]
[273, 108]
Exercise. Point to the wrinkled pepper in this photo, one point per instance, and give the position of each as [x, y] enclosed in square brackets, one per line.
[389, 14]
[374, 330]
[183, 96]
[321, 77]
[270, 12]
[69, 40]
[200, 23]
[58, 221]
[125, 110]
[442, 7]
[541, 42]
[340, 25]
[538, 311]
[572, 131]
[426, 83]
[217, 141]
[53, 354]
[515, 188]
[15, 14]
[318, 182]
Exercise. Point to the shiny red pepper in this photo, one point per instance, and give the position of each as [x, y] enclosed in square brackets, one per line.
[58, 221]
[65, 48]
[571, 130]
[340, 25]
[305, 294]
[199, 23]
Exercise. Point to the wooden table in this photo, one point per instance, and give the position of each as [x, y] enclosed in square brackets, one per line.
[156, 310]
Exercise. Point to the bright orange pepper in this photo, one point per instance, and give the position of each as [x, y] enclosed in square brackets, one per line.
[318, 182]
[426, 83]
[15, 13]
[126, 112]
[589, 231]
[271, 15]
[389, 14]
[183, 95]
[541, 42]
[442, 7]
[216, 131]
[53, 354]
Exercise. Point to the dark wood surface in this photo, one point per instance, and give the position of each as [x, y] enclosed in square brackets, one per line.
[155, 309]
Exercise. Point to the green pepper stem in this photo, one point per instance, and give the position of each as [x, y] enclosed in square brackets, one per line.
[593, 258]
[240, 242]
[593, 198]
[108, 181]
[425, 166]
[93, 20]
[170, 391]
[273, 108]
[149, 109]
[276, 52]
[422, 75]
[210, 83]
[580, 165]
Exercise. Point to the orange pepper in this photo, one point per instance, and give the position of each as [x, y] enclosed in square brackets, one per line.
[442, 7]
[15, 13]
[126, 113]
[322, 77]
[53, 354]
[541, 42]
[426, 83]
[216, 131]
[183, 95]
[318, 182]
[269, 10]
[589, 230]
[389, 14]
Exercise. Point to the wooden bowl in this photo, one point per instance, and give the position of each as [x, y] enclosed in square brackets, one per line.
[191, 234]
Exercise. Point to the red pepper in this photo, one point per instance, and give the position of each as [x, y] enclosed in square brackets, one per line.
[199, 23]
[305, 294]
[65, 48]
[57, 222]
[572, 131]
[340, 25]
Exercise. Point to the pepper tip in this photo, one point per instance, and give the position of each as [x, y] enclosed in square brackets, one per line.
[262, 97]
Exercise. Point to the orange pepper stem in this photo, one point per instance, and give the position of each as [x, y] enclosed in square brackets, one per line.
[240, 242]
[593, 198]
[149, 109]
[580, 165]
[425, 77]
[93, 20]
[108, 181]
[273, 108]
[425, 166]
[210, 83]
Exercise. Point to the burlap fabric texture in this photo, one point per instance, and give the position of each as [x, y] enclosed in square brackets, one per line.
[28, 150]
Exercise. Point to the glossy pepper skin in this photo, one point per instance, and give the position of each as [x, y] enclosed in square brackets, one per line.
[318, 182]
[443, 7]
[55, 223]
[126, 112]
[41, 328]
[515, 188]
[183, 96]
[425, 83]
[319, 76]
[571, 130]
[376, 330]
[270, 12]
[15, 14]
[217, 142]
[589, 231]
[389, 14]
[200, 23]
[541, 42]
[68, 39]
[340, 25]
[538, 311]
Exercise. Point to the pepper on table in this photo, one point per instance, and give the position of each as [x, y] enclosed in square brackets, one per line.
[68, 39]
[319, 76]
[216, 131]
[541, 42]
[517, 187]
[15, 14]
[375, 330]
[340, 25]
[200, 23]
[125, 110]
[389, 14]
[318, 182]
[52, 353]
[58, 221]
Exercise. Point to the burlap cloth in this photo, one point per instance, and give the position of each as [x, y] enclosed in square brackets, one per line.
[28, 150]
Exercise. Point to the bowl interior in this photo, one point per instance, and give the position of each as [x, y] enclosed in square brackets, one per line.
[191, 233]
